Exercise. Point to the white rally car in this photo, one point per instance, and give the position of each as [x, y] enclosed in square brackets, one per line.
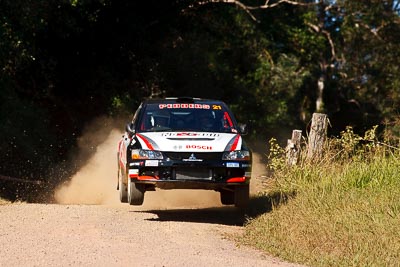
[184, 143]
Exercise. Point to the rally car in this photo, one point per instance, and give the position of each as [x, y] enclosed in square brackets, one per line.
[184, 143]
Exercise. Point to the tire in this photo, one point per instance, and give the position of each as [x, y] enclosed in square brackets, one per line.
[227, 197]
[123, 190]
[242, 196]
[135, 193]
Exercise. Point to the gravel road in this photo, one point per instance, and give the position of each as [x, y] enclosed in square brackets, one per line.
[87, 226]
[104, 235]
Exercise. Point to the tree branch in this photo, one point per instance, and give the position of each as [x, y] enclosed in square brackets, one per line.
[248, 8]
[327, 35]
[294, 3]
[234, 2]
[374, 31]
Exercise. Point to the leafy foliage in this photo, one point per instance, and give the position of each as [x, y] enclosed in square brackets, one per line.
[65, 63]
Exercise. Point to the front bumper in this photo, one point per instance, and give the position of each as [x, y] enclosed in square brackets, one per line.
[190, 174]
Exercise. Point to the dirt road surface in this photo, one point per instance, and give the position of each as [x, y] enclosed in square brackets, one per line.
[101, 235]
[87, 226]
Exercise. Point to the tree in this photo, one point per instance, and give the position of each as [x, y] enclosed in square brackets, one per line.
[351, 50]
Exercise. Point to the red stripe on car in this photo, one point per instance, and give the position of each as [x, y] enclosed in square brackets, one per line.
[235, 143]
[148, 144]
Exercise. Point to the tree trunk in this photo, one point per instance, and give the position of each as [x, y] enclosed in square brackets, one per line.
[319, 103]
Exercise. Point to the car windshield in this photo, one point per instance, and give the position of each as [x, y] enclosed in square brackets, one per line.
[209, 117]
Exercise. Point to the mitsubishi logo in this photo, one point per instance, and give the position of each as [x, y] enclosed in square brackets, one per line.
[192, 158]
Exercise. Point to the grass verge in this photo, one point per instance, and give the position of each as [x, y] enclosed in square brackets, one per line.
[339, 212]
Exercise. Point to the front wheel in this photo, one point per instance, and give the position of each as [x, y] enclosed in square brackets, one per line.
[242, 196]
[123, 191]
[135, 193]
[227, 197]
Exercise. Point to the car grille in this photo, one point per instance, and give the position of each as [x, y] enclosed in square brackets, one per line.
[193, 174]
[198, 155]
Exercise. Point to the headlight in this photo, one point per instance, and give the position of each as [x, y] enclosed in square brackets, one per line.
[236, 155]
[146, 154]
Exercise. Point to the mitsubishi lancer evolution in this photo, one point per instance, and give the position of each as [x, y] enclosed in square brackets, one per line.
[184, 143]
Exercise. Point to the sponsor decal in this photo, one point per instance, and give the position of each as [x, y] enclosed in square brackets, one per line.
[232, 164]
[201, 147]
[194, 106]
[218, 107]
[190, 134]
[177, 147]
[151, 163]
[187, 134]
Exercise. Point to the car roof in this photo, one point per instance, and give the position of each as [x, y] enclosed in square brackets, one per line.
[180, 100]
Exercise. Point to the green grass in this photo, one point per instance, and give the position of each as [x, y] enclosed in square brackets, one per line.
[340, 212]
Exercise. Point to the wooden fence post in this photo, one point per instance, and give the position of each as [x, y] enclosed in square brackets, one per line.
[317, 137]
[293, 148]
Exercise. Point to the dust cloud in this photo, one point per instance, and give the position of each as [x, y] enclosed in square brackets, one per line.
[95, 183]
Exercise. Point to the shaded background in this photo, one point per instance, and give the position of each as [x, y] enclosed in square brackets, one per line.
[66, 63]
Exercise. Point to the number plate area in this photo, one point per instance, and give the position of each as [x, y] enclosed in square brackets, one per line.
[193, 174]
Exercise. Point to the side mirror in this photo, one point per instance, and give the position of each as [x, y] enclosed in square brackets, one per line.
[243, 129]
[129, 129]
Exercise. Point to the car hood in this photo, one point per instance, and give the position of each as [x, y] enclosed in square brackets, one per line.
[190, 141]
